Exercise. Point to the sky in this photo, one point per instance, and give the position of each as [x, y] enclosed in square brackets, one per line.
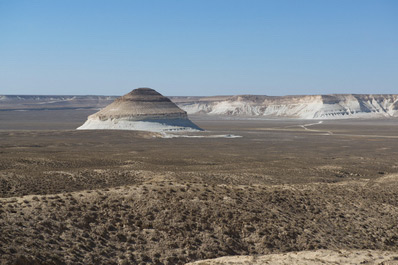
[198, 47]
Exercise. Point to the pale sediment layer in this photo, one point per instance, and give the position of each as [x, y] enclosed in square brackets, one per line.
[327, 257]
[152, 125]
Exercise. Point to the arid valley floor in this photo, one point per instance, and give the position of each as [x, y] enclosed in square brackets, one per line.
[125, 197]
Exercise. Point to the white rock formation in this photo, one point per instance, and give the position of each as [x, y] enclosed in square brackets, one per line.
[300, 107]
[142, 109]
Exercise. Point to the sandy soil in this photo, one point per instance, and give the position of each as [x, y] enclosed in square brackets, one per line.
[114, 197]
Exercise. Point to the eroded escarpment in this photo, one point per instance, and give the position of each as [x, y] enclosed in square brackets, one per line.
[337, 106]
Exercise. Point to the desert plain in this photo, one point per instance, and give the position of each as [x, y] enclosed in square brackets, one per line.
[130, 197]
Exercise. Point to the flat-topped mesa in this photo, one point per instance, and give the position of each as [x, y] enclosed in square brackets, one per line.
[141, 109]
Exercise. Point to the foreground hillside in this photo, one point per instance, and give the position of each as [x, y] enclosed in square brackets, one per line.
[172, 222]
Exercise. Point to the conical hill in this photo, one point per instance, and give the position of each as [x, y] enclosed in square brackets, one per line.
[141, 109]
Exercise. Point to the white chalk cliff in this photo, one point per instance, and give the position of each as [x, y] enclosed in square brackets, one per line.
[301, 107]
[142, 109]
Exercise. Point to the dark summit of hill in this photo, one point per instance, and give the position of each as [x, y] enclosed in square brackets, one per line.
[144, 94]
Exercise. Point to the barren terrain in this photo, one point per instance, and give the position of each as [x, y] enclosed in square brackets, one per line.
[125, 197]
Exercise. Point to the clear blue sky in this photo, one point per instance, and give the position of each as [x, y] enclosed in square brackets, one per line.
[199, 47]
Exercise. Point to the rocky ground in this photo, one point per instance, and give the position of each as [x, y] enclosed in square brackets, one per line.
[103, 197]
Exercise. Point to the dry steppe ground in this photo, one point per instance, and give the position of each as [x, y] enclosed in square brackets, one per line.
[125, 197]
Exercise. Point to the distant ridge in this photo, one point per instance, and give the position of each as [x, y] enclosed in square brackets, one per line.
[335, 106]
[141, 109]
[49, 102]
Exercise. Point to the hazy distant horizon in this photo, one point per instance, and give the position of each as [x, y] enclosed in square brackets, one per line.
[199, 48]
[215, 95]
